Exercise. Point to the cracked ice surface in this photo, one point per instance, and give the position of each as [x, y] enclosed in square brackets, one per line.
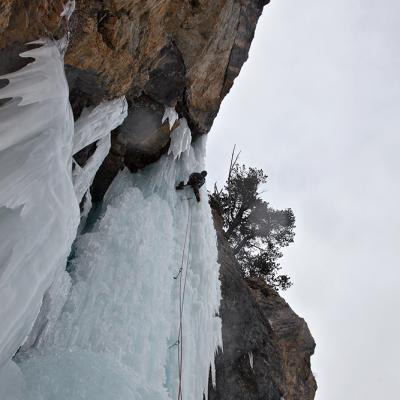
[39, 212]
[112, 339]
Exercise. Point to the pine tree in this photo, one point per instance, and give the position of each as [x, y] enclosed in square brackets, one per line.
[255, 231]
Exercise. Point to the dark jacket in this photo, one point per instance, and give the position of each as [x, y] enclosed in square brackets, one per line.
[196, 180]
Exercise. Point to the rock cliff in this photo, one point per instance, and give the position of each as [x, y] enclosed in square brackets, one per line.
[180, 53]
[267, 347]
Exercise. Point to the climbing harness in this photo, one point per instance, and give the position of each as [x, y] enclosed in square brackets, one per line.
[182, 275]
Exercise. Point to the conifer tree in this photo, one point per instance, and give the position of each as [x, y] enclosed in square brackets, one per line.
[255, 231]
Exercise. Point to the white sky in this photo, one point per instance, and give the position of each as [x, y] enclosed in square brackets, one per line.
[317, 106]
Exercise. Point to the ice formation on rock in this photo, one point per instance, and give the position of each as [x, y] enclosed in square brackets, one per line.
[95, 125]
[181, 138]
[39, 212]
[251, 359]
[69, 8]
[83, 176]
[171, 115]
[109, 332]
[115, 336]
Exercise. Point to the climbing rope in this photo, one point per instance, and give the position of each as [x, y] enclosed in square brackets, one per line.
[182, 274]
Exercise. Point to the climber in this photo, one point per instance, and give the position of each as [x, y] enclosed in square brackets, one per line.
[196, 181]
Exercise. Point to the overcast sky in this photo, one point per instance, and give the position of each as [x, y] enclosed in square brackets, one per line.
[317, 106]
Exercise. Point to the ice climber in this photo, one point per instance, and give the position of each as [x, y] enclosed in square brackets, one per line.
[196, 181]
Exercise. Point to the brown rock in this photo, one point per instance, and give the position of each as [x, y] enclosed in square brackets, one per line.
[175, 51]
[140, 140]
[182, 53]
[259, 328]
[294, 340]
[23, 21]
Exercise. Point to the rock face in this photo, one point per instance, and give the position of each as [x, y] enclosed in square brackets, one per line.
[180, 53]
[267, 347]
[177, 52]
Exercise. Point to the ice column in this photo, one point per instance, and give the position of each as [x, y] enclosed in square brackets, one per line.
[39, 212]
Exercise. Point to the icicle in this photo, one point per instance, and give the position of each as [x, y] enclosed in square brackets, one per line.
[87, 205]
[95, 123]
[33, 89]
[171, 115]
[83, 177]
[251, 359]
[181, 137]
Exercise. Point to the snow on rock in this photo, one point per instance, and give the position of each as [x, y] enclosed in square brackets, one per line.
[39, 212]
[171, 115]
[115, 336]
[181, 137]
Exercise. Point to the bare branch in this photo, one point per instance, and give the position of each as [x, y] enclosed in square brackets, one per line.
[232, 164]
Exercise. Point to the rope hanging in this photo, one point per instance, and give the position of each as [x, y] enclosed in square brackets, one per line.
[182, 274]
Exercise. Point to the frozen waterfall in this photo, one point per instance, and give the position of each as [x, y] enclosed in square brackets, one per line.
[109, 328]
[115, 337]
